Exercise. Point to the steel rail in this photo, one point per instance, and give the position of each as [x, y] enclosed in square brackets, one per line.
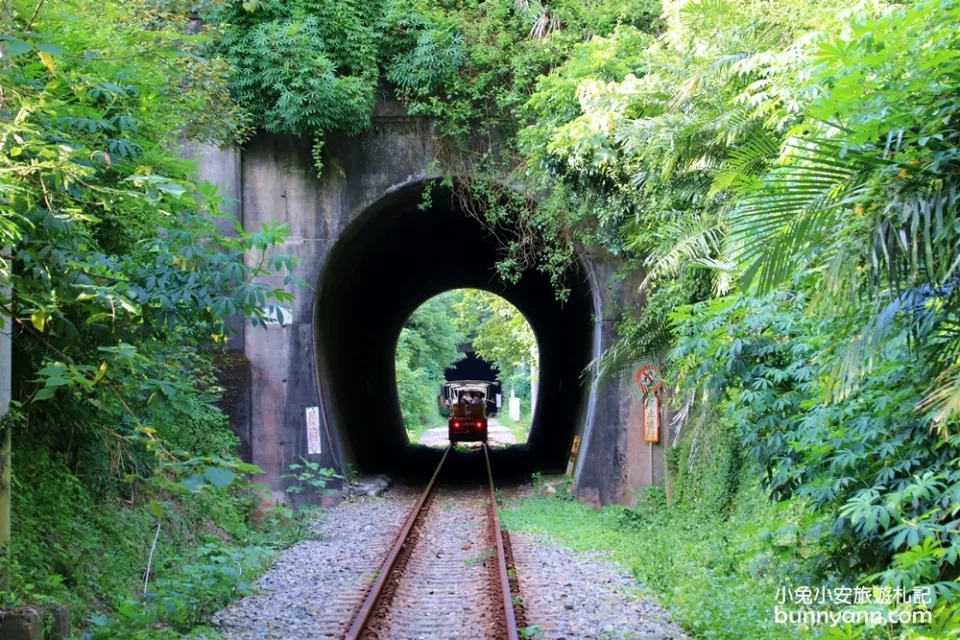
[363, 615]
[509, 615]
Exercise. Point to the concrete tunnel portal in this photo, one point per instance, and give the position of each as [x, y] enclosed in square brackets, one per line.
[391, 259]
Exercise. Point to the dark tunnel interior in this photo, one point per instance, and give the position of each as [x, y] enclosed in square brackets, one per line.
[387, 263]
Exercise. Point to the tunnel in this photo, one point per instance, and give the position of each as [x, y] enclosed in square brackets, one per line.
[389, 260]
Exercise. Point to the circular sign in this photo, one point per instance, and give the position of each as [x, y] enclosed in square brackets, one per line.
[648, 379]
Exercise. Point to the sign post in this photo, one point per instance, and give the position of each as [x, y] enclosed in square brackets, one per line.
[650, 385]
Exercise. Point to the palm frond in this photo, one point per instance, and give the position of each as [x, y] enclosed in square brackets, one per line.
[545, 24]
[624, 355]
[915, 241]
[680, 418]
[748, 161]
[792, 217]
[687, 89]
[944, 397]
[694, 240]
[705, 14]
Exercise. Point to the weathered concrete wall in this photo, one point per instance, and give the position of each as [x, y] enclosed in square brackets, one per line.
[222, 167]
[615, 462]
[646, 464]
[280, 184]
[276, 181]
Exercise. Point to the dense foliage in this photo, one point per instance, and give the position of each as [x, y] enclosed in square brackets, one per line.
[428, 345]
[120, 279]
[879, 484]
[117, 283]
[305, 66]
[781, 175]
[501, 335]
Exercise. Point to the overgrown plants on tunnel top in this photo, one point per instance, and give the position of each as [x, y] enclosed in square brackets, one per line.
[779, 177]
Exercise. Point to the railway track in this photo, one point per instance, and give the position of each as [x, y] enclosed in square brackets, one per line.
[440, 579]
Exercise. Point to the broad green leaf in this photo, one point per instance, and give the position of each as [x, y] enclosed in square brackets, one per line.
[172, 188]
[39, 320]
[49, 47]
[193, 482]
[219, 476]
[45, 393]
[15, 46]
[47, 60]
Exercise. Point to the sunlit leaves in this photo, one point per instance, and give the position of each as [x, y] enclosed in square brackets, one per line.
[118, 273]
[868, 463]
[427, 346]
[302, 67]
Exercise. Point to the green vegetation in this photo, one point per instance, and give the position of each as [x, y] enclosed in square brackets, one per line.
[501, 335]
[128, 503]
[430, 343]
[714, 554]
[303, 66]
[700, 569]
[73, 547]
[782, 175]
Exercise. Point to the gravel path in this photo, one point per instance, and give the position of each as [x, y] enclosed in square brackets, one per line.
[573, 596]
[315, 587]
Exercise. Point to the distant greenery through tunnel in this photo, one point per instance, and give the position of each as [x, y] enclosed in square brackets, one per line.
[433, 349]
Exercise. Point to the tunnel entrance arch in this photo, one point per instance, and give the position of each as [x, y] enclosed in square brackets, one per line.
[387, 262]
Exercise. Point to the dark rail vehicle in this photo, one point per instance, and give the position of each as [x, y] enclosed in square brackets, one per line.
[467, 400]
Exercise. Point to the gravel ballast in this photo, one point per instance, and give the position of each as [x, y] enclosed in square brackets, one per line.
[571, 596]
[316, 586]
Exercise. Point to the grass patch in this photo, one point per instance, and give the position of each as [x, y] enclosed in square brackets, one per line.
[72, 547]
[415, 432]
[706, 570]
[480, 558]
